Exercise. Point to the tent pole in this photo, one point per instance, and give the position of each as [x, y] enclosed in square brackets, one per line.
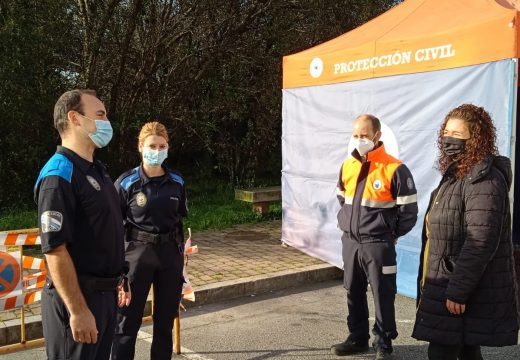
[514, 115]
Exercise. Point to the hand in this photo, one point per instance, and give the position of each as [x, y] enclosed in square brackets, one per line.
[455, 308]
[83, 327]
[124, 297]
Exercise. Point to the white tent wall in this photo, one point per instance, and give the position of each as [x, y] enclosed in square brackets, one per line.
[317, 125]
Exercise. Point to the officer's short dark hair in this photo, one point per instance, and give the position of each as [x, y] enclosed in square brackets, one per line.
[376, 124]
[69, 101]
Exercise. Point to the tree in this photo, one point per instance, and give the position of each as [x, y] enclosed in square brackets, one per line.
[209, 70]
[32, 74]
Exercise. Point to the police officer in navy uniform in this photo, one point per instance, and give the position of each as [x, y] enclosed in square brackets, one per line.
[153, 203]
[378, 205]
[81, 232]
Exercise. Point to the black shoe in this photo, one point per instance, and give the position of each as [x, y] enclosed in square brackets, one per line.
[383, 355]
[349, 347]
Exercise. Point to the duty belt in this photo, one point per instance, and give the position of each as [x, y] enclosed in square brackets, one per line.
[92, 283]
[138, 235]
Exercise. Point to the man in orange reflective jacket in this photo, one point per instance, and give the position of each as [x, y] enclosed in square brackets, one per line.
[378, 205]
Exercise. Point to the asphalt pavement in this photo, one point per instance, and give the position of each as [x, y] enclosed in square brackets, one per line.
[297, 323]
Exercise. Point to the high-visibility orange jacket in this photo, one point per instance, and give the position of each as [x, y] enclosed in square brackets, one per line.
[377, 196]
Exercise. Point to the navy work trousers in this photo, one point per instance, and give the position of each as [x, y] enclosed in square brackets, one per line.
[58, 335]
[160, 265]
[374, 263]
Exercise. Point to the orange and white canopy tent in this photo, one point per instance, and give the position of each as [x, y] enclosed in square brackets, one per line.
[409, 67]
[414, 36]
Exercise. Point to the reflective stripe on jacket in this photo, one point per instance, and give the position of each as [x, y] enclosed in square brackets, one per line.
[377, 196]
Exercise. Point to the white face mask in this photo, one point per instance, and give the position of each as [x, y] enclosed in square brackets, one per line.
[363, 146]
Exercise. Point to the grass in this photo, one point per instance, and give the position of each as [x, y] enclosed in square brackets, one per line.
[211, 206]
[219, 210]
[14, 220]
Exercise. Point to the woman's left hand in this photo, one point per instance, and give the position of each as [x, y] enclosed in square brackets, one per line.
[455, 308]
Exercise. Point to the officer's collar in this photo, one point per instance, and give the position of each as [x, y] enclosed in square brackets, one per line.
[78, 161]
[145, 178]
[371, 155]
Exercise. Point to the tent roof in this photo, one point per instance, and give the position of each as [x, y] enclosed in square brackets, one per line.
[414, 36]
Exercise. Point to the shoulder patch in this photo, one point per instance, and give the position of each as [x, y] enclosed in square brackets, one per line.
[58, 165]
[176, 177]
[51, 221]
[130, 179]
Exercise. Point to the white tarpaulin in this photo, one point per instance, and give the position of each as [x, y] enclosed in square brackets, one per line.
[317, 126]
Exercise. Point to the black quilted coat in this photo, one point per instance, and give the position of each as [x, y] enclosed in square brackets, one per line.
[469, 260]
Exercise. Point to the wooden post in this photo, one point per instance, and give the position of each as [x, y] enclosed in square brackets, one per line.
[153, 301]
[31, 344]
[177, 334]
[261, 207]
[22, 310]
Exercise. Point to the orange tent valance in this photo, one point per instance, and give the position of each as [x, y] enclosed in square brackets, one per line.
[414, 36]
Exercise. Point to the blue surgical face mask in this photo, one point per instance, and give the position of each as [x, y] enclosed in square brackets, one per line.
[154, 157]
[103, 133]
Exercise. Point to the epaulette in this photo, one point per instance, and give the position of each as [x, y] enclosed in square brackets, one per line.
[58, 165]
[130, 179]
[176, 177]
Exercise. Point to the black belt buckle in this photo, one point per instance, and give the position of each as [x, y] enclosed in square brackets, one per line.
[152, 238]
[148, 237]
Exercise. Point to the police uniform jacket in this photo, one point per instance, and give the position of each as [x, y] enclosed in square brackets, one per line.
[377, 196]
[78, 206]
[467, 257]
[154, 205]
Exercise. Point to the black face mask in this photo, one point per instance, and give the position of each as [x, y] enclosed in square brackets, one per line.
[453, 146]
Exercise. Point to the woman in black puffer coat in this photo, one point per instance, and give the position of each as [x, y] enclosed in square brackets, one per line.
[467, 288]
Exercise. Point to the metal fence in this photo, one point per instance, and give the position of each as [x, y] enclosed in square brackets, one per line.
[22, 277]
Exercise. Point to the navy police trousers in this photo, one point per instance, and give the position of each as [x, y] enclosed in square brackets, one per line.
[160, 265]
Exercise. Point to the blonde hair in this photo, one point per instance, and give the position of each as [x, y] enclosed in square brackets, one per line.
[152, 128]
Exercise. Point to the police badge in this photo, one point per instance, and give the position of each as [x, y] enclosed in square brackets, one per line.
[93, 182]
[141, 199]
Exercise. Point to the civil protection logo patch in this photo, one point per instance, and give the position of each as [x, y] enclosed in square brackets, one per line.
[377, 184]
[409, 183]
[93, 182]
[141, 199]
[51, 221]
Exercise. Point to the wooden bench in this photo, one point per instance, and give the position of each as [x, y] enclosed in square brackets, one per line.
[261, 198]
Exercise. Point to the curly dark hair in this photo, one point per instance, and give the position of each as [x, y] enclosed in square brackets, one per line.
[481, 144]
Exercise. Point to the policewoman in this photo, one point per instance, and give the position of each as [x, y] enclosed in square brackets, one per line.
[153, 203]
